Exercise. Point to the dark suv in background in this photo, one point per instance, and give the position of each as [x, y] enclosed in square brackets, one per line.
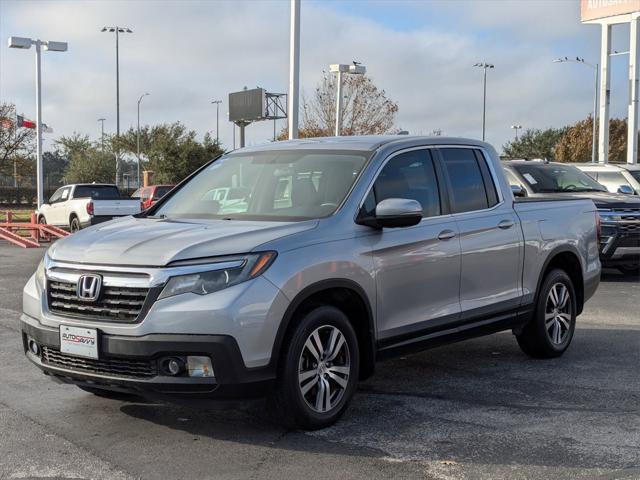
[619, 214]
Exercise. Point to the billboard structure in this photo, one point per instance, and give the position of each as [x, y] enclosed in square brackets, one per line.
[607, 13]
[255, 105]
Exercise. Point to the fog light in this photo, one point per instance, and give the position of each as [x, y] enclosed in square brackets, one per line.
[199, 367]
[33, 347]
[173, 366]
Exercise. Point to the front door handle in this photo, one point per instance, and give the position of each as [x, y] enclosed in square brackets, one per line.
[446, 235]
[505, 224]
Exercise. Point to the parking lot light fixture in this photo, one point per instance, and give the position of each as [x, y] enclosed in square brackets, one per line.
[484, 66]
[516, 128]
[217, 103]
[594, 66]
[101, 120]
[117, 30]
[25, 43]
[138, 134]
[339, 68]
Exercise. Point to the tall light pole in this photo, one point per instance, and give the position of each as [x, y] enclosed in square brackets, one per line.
[25, 43]
[217, 102]
[595, 98]
[138, 134]
[516, 128]
[338, 68]
[101, 120]
[484, 66]
[294, 69]
[117, 30]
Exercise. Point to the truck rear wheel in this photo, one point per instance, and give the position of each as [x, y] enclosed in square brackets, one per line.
[74, 225]
[550, 331]
[318, 370]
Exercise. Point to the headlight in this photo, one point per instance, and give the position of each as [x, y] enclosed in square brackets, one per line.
[230, 271]
[40, 273]
[608, 215]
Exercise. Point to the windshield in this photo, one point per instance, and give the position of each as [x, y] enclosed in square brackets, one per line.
[97, 192]
[553, 178]
[272, 185]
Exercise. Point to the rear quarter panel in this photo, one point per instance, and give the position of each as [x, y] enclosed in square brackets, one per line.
[550, 227]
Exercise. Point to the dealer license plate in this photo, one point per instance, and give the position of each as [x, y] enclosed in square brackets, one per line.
[79, 341]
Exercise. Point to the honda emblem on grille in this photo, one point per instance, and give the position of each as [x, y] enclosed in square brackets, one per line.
[88, 288]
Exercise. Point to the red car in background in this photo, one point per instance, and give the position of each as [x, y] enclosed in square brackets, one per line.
[151, 194]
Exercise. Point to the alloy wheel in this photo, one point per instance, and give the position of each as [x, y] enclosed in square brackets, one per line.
[324, 368]
[558, 311]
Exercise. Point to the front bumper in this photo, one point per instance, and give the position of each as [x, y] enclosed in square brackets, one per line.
[619, 248]
[232, 379]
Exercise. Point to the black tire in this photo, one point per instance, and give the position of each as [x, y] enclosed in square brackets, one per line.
[545, 337]
[630, 270]
[74, 225]
[42, 220]
[292, 404]
[110, 394]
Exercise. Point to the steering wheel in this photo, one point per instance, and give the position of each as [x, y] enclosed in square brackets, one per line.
[570, 187]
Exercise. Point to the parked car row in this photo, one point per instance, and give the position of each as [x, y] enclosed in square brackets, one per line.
[77, 206]
[617, 178]
[150, 195]
[290, 268]
[619, 242]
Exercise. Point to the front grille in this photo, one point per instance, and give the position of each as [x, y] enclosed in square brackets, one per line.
[629, 227]
[115, 367]
[119, 304]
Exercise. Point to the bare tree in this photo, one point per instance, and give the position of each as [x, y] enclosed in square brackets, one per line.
[366, 109]
[17, 145]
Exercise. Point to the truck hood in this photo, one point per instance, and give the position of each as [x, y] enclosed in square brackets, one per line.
[156, 242]
[606, 199]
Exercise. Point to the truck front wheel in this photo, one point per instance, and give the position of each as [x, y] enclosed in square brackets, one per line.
[549, 332]
[318, 370]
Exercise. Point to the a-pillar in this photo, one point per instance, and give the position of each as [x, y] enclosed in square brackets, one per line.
[605, 93]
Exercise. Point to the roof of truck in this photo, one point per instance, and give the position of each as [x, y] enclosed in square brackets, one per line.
[362, 143]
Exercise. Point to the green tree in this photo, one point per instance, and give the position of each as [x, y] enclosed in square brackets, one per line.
[17, 145]
[86, 162]
[55, 164]
[534, 143]
[169, 150]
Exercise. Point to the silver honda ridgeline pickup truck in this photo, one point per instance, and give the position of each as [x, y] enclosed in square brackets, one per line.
[291, 268]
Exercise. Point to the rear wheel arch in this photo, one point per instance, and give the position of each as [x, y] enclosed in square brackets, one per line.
[74, 216]
[568, 260]
[345, 295]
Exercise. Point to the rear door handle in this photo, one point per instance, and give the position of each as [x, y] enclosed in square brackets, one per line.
[505, 224]
[446, 235]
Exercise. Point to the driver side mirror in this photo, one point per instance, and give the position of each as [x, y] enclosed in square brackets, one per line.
[394, 213]
[625, 190]
[518, 191]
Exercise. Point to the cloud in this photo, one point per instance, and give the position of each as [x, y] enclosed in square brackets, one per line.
[189, 52]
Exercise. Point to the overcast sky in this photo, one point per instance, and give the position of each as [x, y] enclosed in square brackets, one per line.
[186, 53]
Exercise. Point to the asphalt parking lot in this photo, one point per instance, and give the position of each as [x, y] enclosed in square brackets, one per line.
[479, 409]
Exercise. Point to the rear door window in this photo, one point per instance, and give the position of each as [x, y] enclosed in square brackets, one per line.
[466, 180]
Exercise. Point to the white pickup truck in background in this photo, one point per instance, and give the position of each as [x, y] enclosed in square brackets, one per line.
[80, 205]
